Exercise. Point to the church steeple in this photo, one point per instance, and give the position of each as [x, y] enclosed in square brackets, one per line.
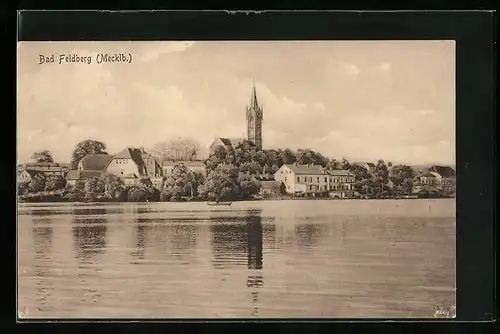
[253, 100]
[254, 114]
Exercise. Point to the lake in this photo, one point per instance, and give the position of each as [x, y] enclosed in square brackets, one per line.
[262, 259]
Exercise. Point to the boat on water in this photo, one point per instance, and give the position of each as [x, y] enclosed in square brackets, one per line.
[410, 197]
[219, 203]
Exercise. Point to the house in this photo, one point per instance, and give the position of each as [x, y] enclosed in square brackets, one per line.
[303, 179]
[130, 179]
[341, 183]
[24, 176]
[427, 179]
[271, 188]
[225, 142]
[94, 162]
[134, 161]
[74, 176]
[47, 168]
[445, 177]
[194, 166]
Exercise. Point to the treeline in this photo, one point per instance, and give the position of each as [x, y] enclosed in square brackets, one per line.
[230, 175]
[107, 188]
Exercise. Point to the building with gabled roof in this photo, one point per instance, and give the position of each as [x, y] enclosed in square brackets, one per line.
[341, 183]
[303, 179]
[134, 161]
[225, 142]
[445, 178]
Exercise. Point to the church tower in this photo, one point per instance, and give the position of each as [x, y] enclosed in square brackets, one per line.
[254, 120]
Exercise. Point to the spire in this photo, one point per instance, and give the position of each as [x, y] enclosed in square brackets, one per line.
[253, 100]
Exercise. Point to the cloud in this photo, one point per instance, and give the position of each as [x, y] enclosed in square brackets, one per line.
[319, 106]
[203, 93]
[426, 112]
[385, 67]
[153, 52]
[349, 69]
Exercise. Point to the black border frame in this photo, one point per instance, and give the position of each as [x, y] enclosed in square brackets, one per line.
[474, 33]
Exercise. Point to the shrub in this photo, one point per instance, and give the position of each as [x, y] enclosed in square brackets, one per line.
[136, 194]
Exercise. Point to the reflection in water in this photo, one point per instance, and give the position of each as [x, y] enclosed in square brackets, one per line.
[141, 232]
[230, 242]
[229, 245]
[42, 239]
[42, 235]
[308, 234]
[89, 211]
[344, 265]
[89, 236]
[254, 241]
[183, 238]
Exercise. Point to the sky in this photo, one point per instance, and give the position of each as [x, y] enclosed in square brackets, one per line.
[362, 100]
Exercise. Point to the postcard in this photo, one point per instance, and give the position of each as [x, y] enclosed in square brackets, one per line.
[236, 179]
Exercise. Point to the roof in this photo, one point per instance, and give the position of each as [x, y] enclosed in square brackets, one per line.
[340, 172]
[306, 169]
[234, 142]
[82, 174]
[428, 174]
[395, 180]
[265, 178]
[95, 161]
[131, 153]
[42, 164]
[185, 163]
[444, 171]
[270, 184]
[32, 173]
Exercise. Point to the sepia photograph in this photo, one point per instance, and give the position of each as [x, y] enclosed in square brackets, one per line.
[236, 179]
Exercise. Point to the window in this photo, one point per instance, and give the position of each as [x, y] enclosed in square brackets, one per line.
[298, 178]
[326, 179]
[317, 179]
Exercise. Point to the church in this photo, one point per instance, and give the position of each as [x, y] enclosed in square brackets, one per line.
[254, 116]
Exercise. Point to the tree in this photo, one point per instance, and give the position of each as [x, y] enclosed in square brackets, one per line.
[381, 172]
[136, 194]
[334, 164]
[287, 156]
[177, 149]
[54, 182]
[93, 185]
[42, 156]
[221, 183]
[248, 186]
[114, 188]
[403, 175]
[87, 147]
[22, 188]
[308, 156]
[181, 183]
[37, 183]
[252, 168]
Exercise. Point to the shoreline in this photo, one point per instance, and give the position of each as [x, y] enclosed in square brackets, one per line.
[236, 201]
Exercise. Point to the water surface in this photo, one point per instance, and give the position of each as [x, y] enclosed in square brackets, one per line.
[268, 259]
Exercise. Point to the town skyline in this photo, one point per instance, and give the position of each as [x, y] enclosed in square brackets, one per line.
[358, 109]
